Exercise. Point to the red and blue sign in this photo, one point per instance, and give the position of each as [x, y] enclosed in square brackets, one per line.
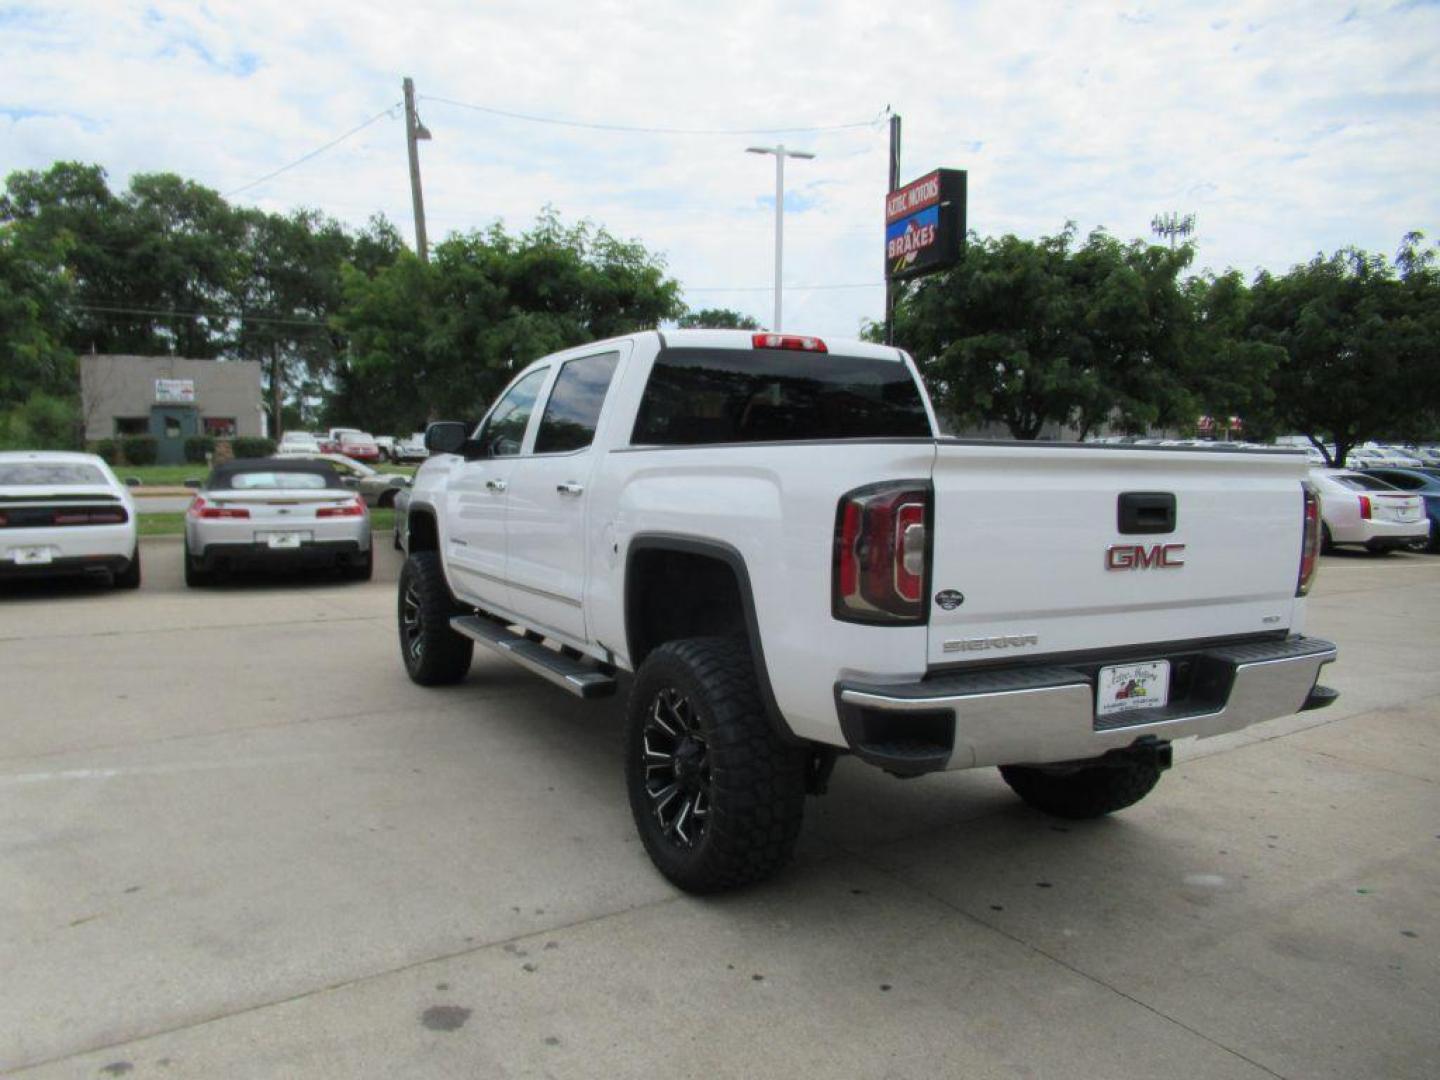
[925, 224]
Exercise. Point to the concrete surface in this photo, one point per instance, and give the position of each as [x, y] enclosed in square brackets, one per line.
[235, 841]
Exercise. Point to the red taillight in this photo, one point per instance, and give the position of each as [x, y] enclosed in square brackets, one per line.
[1365, 507]
[1309, 541]
[102, 516]
[797, 342]
[882, 554]
[354, 508]
[202, 509]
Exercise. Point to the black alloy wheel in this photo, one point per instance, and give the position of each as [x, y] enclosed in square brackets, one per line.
[433, 653]
[716, 794]
[676, 761]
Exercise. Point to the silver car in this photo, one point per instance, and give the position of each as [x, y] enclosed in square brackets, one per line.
[273, 512]
[379, 489]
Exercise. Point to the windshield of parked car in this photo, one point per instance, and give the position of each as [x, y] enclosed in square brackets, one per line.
[48, 473]
[357, 439]
[276, 481]
[699, 396]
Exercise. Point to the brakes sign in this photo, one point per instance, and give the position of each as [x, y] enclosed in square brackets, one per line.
[925, 224]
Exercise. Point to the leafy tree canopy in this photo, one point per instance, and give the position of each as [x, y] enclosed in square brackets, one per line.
[1040, 332]
[444, 338]
[1360, 337]
[716, 319]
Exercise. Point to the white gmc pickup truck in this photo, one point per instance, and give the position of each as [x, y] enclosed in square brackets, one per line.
[770, 534]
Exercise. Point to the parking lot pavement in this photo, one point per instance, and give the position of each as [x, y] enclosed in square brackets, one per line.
[235, 841]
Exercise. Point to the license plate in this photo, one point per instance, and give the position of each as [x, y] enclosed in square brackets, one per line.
[283, 539]
[32, 556]
[1133, 686]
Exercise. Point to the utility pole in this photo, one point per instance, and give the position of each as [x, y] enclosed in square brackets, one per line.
[780, 155]
[891, 287]
[415, 131]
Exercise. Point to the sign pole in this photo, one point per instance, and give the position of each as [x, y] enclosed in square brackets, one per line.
[779, 227]
[894, 180]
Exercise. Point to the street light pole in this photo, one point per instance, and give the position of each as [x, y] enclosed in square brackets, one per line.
[780, 155]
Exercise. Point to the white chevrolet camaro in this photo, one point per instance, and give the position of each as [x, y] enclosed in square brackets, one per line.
[66, 514]
[272, 512]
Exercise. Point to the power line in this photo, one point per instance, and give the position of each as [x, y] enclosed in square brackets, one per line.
[769, 288]
[638, 130]
[387, 111]
[168, 313]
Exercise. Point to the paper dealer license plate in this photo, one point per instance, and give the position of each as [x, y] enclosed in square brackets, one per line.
[1132, 686]
[283, 539]
[31, 556]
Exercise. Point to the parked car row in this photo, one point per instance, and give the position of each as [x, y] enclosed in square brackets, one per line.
[356, 444]
[66, 514]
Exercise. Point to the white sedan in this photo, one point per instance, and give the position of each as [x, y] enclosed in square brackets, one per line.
[66, 514]
[1358, 509]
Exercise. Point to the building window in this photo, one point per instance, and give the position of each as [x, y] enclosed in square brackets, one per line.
[222, 427]
[132, 425]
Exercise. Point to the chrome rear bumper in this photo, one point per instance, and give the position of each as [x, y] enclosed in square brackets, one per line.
[1038, 715]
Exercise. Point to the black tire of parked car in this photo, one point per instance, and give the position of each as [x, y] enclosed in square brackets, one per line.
[1086, 793]
[1327, 542]
[746, 784]
[362, 569]
[129, 578]
[434, 654]
[195, 577]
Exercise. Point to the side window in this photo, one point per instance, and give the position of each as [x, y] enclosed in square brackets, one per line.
[574, 406]
[505, 428]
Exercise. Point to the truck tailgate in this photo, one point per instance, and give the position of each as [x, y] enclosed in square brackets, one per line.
[1031, 537]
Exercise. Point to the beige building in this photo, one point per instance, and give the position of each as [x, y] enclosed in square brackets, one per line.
[171, 398]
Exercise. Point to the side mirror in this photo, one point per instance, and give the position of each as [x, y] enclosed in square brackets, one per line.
[132, 481]
[193, 483]
[445, 437]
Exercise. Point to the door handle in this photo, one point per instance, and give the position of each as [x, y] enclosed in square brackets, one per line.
[495, 485]
[570, 487]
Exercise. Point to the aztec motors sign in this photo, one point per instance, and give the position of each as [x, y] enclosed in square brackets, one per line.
[925, 224]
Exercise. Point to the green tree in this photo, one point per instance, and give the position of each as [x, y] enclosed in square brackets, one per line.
[1228, 371]
[151, 268]
[285, 292]
[1360, 337]
[716, 319]
[444, 337]
[1030, 333]
[33, 291]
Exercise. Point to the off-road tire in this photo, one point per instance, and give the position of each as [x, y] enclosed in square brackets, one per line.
[195, 577]
[1086, 793]
[363, 570]
[442, 655]
[756, 786]
[129, 578]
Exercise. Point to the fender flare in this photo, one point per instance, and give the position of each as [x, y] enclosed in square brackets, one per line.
[731, 557]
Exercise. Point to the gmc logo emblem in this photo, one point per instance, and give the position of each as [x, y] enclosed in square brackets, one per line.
[1140, 557]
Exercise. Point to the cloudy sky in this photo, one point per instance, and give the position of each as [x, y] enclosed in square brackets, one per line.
[1285, 127]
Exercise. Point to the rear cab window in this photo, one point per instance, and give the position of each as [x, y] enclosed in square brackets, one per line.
[699, 396]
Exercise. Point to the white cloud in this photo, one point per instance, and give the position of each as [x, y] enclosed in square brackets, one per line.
[1287, 128]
